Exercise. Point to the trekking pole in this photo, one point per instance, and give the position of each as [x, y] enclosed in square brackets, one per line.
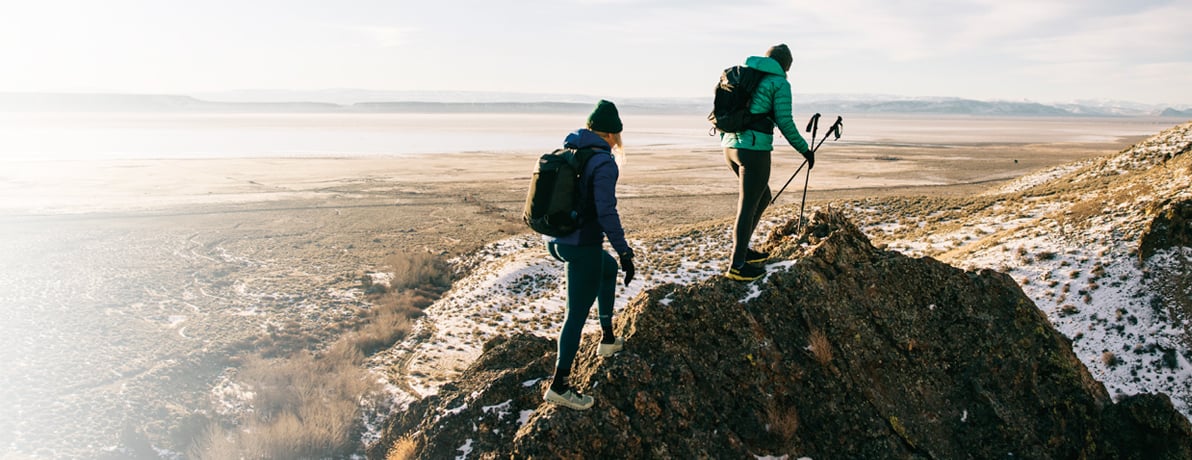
[834, 130]
[802, 203]
[812, 127]
[788, 182]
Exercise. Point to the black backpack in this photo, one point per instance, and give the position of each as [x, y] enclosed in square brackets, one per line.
[734, 93]
[553, 201]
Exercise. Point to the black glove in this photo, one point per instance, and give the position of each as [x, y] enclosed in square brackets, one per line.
[810, 157]
[627, 265]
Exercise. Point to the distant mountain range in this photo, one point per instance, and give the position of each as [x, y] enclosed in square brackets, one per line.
[1170, 112]
[362, 101]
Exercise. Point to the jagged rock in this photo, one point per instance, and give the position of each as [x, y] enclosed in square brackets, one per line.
[850, 352]
[1171, 227]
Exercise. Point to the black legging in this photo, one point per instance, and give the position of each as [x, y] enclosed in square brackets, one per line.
[591, 277]
[752, 168]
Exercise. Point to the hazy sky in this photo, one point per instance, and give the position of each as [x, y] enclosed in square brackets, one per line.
[1040, 50]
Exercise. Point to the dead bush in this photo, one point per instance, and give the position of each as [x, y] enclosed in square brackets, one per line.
[413, 270]
[409, 300]
[307, 403]
[390, 320]
[304, 406]
[216, 443]
[386, 328]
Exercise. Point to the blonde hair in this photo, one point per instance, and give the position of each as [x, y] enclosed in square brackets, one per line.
[615, 146]
[616, 137]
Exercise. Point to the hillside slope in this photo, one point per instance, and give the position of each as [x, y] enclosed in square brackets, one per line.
[848, 352]
[1101, 246]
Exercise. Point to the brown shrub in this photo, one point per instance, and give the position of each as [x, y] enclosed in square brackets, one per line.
[418, 270]
[308, 404]
[216, 443]
[386, 328]
[292, 436]
[305, 406]
[390, 320]
[412, 301]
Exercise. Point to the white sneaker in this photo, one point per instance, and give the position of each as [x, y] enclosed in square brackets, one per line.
[569, 399]
[608, 349]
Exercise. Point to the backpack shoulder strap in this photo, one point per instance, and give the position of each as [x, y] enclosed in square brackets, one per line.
[579, 158]
[583, 155]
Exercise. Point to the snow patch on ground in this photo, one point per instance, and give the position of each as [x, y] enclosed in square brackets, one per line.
[1077, 259]
[515, 286]
[1038, 178]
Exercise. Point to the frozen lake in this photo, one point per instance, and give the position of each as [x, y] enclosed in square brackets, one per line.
[91, 136]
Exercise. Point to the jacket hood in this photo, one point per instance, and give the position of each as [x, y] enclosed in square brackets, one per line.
[765, 64]
[586, 139]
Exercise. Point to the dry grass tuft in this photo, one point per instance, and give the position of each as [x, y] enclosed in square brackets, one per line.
[783, 422]
[418, 270]
[216, 443]
[308, 404]
[304, 406]
[1086, 209]
[820, 347]
[403, 449]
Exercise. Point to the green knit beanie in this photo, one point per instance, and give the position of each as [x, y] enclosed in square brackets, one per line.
[605, 118]
[782, 54]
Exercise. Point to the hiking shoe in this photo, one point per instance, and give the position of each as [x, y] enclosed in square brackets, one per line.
[745, 272]
[756, 257]
[569, 398]
[608, 349]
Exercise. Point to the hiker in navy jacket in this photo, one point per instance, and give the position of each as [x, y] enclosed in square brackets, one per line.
[591, 272]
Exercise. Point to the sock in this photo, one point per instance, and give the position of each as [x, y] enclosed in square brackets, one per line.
[559, 384]
[608, 338]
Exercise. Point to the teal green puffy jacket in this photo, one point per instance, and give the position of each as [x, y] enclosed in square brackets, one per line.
[773, 96]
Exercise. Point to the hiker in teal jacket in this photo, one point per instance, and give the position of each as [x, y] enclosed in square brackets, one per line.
[748, 155]
[591, 271]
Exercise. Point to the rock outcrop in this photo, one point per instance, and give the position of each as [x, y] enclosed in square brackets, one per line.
[1171, 227]
[842, 351]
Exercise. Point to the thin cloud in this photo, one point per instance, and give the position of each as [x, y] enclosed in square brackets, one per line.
[385, 36]
[1155, 35]
[1039, 49]
[931, 30]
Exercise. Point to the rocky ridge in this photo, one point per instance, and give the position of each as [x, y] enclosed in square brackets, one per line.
[1100, 247]
[848, 352]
